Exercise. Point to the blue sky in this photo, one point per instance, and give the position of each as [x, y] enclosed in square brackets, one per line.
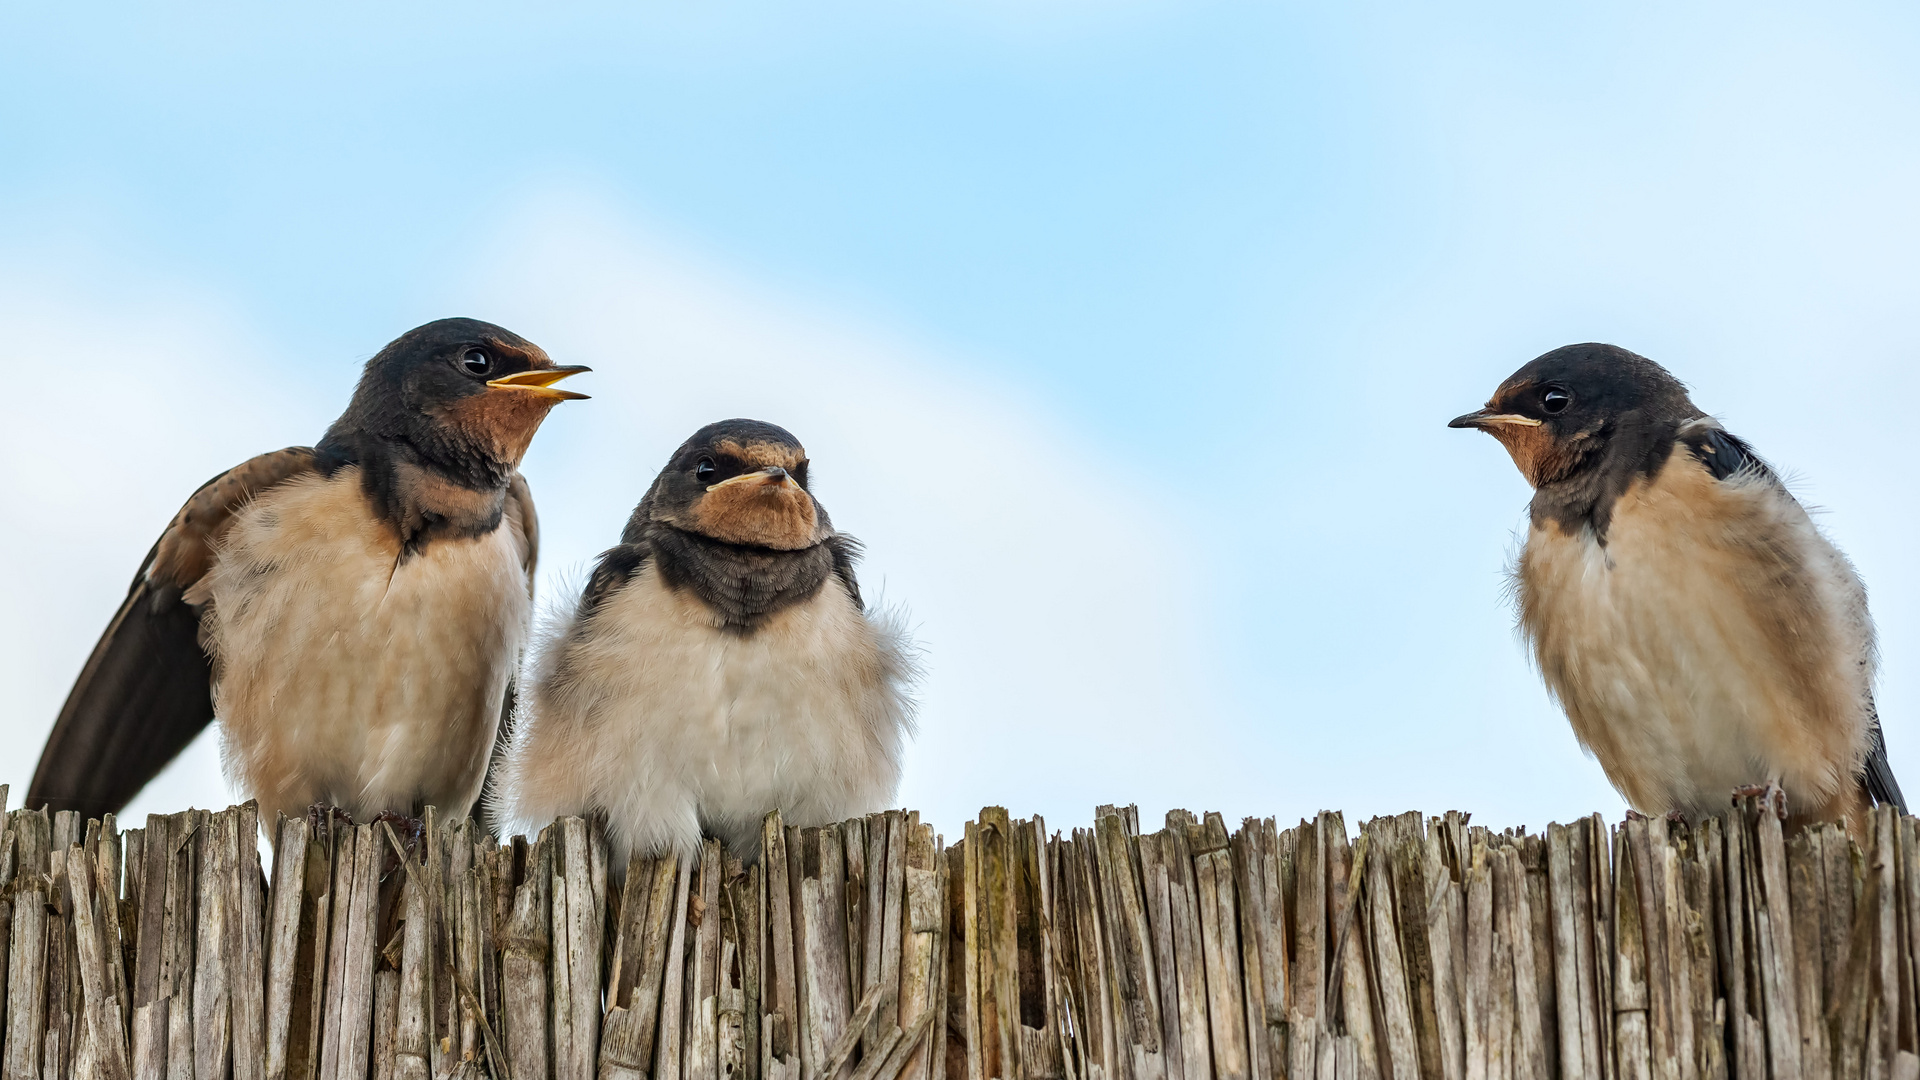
[1125, 334]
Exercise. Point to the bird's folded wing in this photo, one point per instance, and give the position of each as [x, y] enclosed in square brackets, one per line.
[616, 567]
[525, 525]
[1877, 774]
[1724, 454]
[846, 551]
[146, 690]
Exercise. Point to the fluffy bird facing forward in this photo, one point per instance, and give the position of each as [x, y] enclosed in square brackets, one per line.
[1699, 631]
[720, 665]
[352, 612]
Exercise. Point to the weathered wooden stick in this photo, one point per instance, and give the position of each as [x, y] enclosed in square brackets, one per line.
[1157, 889]
[107, 862]
[1219, 932]
[824, 947]
[923, 943]
[187, 842]
[655, 933]
[101, 1007]
[212, 1016]
[31, 835]
[780, 1030]
[668, 1059]
[586, 920]
[413, 999]
[840, 1053]
[150, 1040]
[703, 982]
[526, 949]
[284, 910]
[741, 1005]
[891, 909]
[1400, 1057]
[1630, 994]
[853, 862]
[386, 1018]
[354, 1022]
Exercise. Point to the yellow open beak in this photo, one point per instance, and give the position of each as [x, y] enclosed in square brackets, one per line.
[772, 475]
[540, 381]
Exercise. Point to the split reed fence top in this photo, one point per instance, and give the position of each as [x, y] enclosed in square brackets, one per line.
[1421, 948]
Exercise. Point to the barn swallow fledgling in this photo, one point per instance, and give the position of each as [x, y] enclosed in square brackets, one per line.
[719, 665]
[1699, 631]
[352, 612]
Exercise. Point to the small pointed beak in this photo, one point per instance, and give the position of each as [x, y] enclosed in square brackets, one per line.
[540, 381]
[771, 476]
[1488, 417]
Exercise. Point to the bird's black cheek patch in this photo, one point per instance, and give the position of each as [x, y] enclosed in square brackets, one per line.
[767, 515]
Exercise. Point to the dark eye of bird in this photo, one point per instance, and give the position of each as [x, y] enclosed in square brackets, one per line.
[476, 361]
[1555, 401]
[704, 471]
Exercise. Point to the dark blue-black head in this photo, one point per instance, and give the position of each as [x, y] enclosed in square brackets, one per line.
[460, 393]
[1563, 409]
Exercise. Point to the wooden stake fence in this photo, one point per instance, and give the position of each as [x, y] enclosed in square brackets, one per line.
[1420, 949]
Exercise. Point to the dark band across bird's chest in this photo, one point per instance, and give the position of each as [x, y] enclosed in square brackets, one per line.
[421, 501]
[1586, 498]
[742, 585]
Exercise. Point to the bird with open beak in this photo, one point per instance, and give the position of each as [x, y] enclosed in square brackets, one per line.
[1700, 632]
[352, 612]
[719, 665]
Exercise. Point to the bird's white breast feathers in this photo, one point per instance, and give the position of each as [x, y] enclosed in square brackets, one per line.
[346, 671]
[651, 713]
[1716, 639]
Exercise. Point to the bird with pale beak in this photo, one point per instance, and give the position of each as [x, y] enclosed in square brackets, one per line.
[720, 664]
[1701, 633]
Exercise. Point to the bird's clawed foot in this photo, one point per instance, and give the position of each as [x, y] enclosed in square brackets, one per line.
[411, 830]
[321, 813]
[1769, 794]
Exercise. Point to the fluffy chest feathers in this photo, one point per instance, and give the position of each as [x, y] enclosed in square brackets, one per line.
[346, 671]
[1715, 640]
[652, 711]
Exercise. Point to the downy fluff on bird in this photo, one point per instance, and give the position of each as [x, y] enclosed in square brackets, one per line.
[1699, 631]
[353, 612]
[720, 664]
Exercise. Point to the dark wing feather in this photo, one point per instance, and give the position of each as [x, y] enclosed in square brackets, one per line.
[616, 567]
[525, 523]
[147, 689]
[1877, 774]
[846, 551]
[142, 697]
[1722, 453]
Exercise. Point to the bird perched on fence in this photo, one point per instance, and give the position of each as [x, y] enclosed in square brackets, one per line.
[352, 611]
[1700, 632]
[719, 665]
